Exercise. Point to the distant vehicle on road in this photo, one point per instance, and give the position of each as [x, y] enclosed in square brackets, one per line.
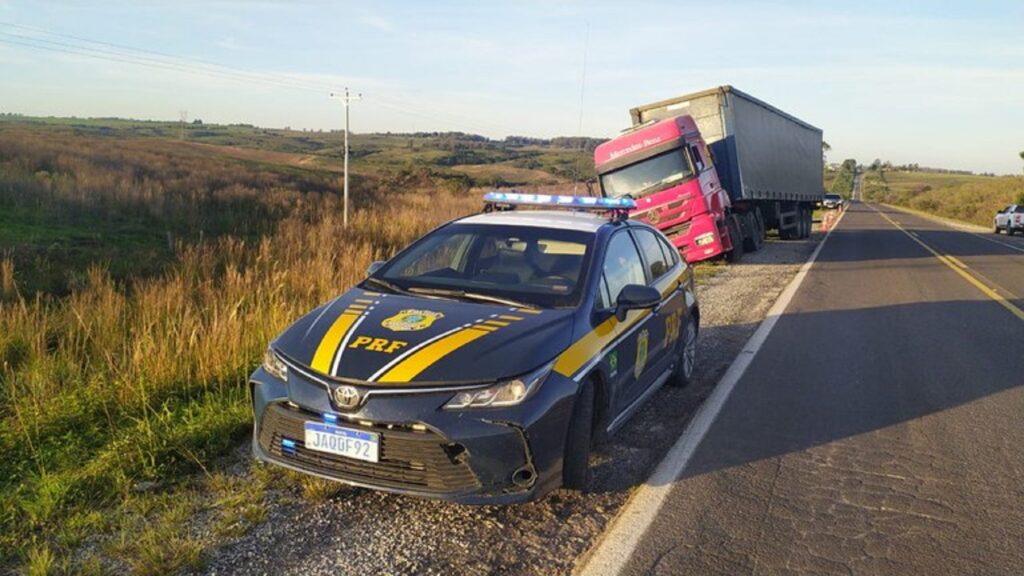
[1010, 219]
[715, 170]
[831, 201]
[479, 363]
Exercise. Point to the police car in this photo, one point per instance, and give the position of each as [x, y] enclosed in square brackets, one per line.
[482, 362]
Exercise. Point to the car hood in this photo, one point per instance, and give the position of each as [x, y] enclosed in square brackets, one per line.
[396, 340]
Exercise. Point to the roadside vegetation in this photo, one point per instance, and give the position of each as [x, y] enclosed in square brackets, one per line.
[140, 280]
[964, 197]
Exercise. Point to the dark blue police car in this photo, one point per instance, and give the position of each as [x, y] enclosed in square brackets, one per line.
[480, 363]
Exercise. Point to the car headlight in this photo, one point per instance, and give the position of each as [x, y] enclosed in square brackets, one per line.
[705, 238]
[506, 393]
[274, 366]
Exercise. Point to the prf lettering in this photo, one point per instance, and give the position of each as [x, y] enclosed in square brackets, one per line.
[377, 344]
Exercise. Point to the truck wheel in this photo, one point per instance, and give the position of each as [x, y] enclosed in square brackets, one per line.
[995, 229]
[687, 361]
[756, 239]
[576, 460]
[809, 223]
[736, 237]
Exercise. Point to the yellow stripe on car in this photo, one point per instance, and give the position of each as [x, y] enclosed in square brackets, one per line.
[591, 344]
[329, 344]
[425, 357]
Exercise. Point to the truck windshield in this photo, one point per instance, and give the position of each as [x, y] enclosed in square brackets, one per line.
[647, 176]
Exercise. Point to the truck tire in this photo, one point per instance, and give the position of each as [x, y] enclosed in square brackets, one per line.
[808, 222]
[687, 361]
[754, 242]
[576, 460]
[790, 233]
[995, 228]
[736, 237]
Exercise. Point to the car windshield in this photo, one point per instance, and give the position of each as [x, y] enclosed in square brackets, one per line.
[832, 196]
[534, 266]
[647, 176]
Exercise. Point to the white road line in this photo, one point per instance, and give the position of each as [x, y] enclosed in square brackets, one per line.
[616, 546]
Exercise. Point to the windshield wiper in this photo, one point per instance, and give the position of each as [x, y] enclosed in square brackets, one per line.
[380, 282]
[469, 296]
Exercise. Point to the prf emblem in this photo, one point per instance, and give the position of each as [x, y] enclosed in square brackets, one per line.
[411, 320]
[641, 353]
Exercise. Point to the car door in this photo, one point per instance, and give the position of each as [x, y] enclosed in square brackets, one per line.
[623, 266]
[662, 273]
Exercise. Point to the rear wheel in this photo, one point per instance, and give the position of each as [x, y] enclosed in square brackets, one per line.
[687, 361]
[756, 225]
[576, 461]
[995, 229]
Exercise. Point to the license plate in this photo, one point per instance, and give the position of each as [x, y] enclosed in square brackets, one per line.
[342, 441]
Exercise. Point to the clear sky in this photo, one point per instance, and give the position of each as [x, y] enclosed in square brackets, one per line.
[934, 82]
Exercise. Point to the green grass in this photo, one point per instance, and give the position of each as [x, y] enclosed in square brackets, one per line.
[968, 198]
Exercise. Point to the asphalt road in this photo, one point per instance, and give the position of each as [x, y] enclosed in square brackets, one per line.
[880, 428]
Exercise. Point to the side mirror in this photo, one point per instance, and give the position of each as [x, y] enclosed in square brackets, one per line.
[374, 266]
[635, 297]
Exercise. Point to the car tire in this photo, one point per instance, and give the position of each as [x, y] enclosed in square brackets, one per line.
[1010, 231]
[576, 460]
[995, 229]
[687, 363]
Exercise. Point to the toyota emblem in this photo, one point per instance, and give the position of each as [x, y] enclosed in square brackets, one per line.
[347, 397]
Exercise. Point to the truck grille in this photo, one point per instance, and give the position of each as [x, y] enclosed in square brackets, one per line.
[677, 230]
[408, 459]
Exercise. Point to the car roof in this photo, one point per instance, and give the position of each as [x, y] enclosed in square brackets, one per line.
[558, 219]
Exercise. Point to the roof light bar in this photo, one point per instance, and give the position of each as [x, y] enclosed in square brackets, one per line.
[577, 202]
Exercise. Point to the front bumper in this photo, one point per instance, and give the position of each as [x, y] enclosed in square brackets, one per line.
[481, 456]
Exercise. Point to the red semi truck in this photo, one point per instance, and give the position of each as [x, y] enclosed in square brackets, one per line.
[716, 170]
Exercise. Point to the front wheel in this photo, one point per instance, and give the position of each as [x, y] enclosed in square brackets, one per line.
[576, 461]
[995, 229]
[687, 362]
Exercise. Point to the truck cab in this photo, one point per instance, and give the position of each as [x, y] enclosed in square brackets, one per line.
[666, 168]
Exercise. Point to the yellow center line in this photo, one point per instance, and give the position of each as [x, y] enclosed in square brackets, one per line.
[960, 268]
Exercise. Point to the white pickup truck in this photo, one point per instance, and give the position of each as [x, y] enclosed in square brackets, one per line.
[1010, 219]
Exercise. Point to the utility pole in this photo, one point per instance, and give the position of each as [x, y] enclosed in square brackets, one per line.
[346, 99]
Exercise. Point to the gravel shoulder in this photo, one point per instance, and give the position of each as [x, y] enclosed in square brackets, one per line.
[358, 531]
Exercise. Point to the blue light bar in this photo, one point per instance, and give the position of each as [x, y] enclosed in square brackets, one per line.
[578, 202]
[331, 418]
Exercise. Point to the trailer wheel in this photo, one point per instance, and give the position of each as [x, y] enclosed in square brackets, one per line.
[736, 237]
[755, 223]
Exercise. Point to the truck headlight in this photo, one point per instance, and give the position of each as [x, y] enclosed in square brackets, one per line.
[506, 393]
[274, 366]
[704, 239]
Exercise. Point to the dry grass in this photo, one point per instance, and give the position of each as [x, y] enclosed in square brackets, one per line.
[123, 384]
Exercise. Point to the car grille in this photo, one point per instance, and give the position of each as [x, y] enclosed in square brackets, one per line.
[408, 459]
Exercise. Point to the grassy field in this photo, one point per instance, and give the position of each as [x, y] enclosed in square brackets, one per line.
[968, 198]
[140, 280]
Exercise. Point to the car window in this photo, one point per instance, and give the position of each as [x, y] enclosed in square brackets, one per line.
[604, 300]
[655, 258]
[622, 265]
[1019, 210]
[669, 251]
